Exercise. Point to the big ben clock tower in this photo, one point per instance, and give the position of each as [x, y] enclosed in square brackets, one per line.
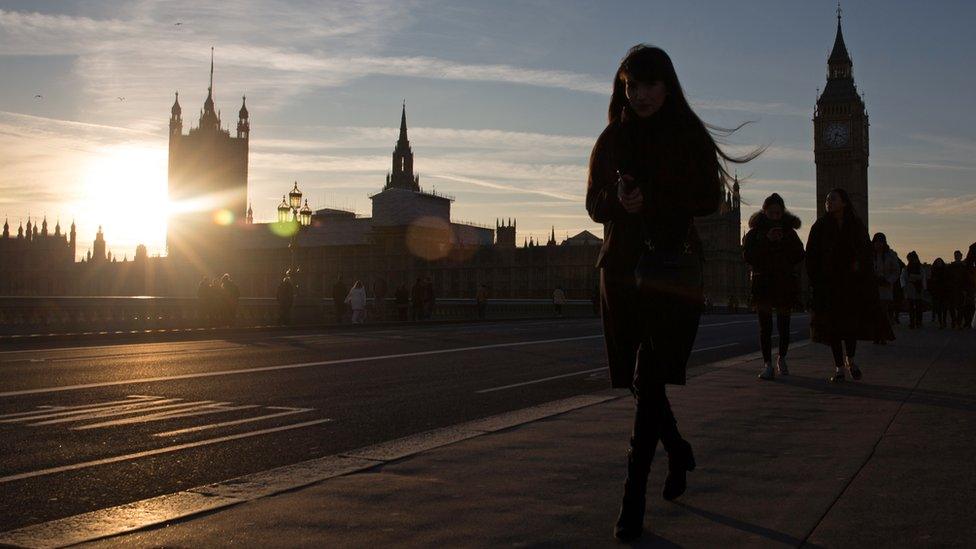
[840, 133]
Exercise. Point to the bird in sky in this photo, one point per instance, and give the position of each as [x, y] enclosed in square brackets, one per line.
[120, 98]
[38, 96]
[178, 24]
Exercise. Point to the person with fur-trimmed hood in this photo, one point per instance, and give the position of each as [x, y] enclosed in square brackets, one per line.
[773, 250]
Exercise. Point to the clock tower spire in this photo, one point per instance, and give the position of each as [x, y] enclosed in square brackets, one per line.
[840, 132]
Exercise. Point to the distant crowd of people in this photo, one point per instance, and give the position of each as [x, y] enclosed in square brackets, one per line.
[217, 299]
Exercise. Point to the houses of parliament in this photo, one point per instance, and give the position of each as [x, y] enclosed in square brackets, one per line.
[409, 233]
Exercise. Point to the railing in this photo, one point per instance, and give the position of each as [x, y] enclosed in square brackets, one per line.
[33, 315]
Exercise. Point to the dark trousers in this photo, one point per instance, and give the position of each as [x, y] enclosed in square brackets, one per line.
[482, 310]
[766, 331]
[653, 421]
[284, 313]
[838, 347]
[340, 311]
[915, 313]
[939, 312]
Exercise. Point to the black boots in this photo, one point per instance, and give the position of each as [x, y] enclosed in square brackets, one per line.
[680, 461]
[630, 522]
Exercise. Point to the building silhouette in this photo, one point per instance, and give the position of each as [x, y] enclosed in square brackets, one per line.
[840, 132]
[409, 234]
[207, 187]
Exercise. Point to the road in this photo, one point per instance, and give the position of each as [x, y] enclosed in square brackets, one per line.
[88, 427]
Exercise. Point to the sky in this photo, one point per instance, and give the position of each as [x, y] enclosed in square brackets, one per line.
[504, 102]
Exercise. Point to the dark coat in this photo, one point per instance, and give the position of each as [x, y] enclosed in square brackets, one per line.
[845, 292]
[773, 264]
[679, 179]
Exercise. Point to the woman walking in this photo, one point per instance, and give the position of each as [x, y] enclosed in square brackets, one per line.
[653, 169]
[887, 269]
[773, 250]
[939, 290]
[357, 302]
[913, 280]
[845, 292]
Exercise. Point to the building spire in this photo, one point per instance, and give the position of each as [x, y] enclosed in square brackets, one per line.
[839, 55]
[210, 89]
[403, 122]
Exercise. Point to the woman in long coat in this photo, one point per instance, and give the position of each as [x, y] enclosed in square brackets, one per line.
[773, 250]
[652, 170]
[915, 283]
[939, 290]
[887, 270]
[845, 292]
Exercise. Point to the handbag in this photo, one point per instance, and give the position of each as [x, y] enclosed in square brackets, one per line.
[673, 273]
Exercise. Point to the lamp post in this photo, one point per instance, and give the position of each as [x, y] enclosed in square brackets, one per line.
[294, 212]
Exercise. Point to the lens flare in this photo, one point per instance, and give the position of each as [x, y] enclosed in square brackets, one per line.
[223, 217]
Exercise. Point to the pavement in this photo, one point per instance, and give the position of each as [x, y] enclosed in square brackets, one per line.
[884, 462]
[93, 427]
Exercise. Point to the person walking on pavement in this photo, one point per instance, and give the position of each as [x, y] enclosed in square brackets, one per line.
[939, 290]
[558, 300]
[231, 296]
[969, 289]
[339, 299]
[773, 250]
[887, 271]
[205, 300]
[481, 301]
[653, 169]
[428, 299]
[285, 296]
[357, 302]
[897, 293]
[915, 284]
[845, 293]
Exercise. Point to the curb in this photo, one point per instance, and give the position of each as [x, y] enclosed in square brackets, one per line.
[140, 515]
[159, 510]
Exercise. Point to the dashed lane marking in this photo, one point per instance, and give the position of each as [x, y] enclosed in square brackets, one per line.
[288, 412]
[243, 371]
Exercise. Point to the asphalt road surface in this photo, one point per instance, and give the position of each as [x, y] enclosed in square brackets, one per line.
[88, 427]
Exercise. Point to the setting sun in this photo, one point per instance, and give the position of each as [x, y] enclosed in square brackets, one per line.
[123, 189]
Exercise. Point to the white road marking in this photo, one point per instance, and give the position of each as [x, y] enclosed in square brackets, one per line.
[550, 378]
[200, 410]
[133, 407]
[117, 347]
[48, 408]
[157, 451]
[581, 372]
[236, 422]
[713, 348]
[243, 371]
[121, 412]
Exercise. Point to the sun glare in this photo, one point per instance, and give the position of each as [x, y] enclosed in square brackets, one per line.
[123, 189]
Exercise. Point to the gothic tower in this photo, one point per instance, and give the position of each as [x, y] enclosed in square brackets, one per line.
[207, 187]
[402, 176]
[840, 132]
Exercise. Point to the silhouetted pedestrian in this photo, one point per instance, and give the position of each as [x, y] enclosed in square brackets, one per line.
[481, 301]
[845, 293]
[652, 170]
[773, 250]
[339, 292]
[205, 300]
[939, 290]
[286, 297]
[914, 281]
[429, 300]
[887, 273]
[969, 288]
[558, 300]
[230, 295]
[897, 293]
[402, 299]
[357, 302]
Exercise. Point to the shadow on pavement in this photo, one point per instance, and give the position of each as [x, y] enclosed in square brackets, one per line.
[744, 526]
[857, 389]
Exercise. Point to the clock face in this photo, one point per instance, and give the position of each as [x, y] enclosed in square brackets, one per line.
[836, 134]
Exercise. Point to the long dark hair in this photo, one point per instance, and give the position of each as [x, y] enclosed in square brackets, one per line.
[649, 64]
[849, 213]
